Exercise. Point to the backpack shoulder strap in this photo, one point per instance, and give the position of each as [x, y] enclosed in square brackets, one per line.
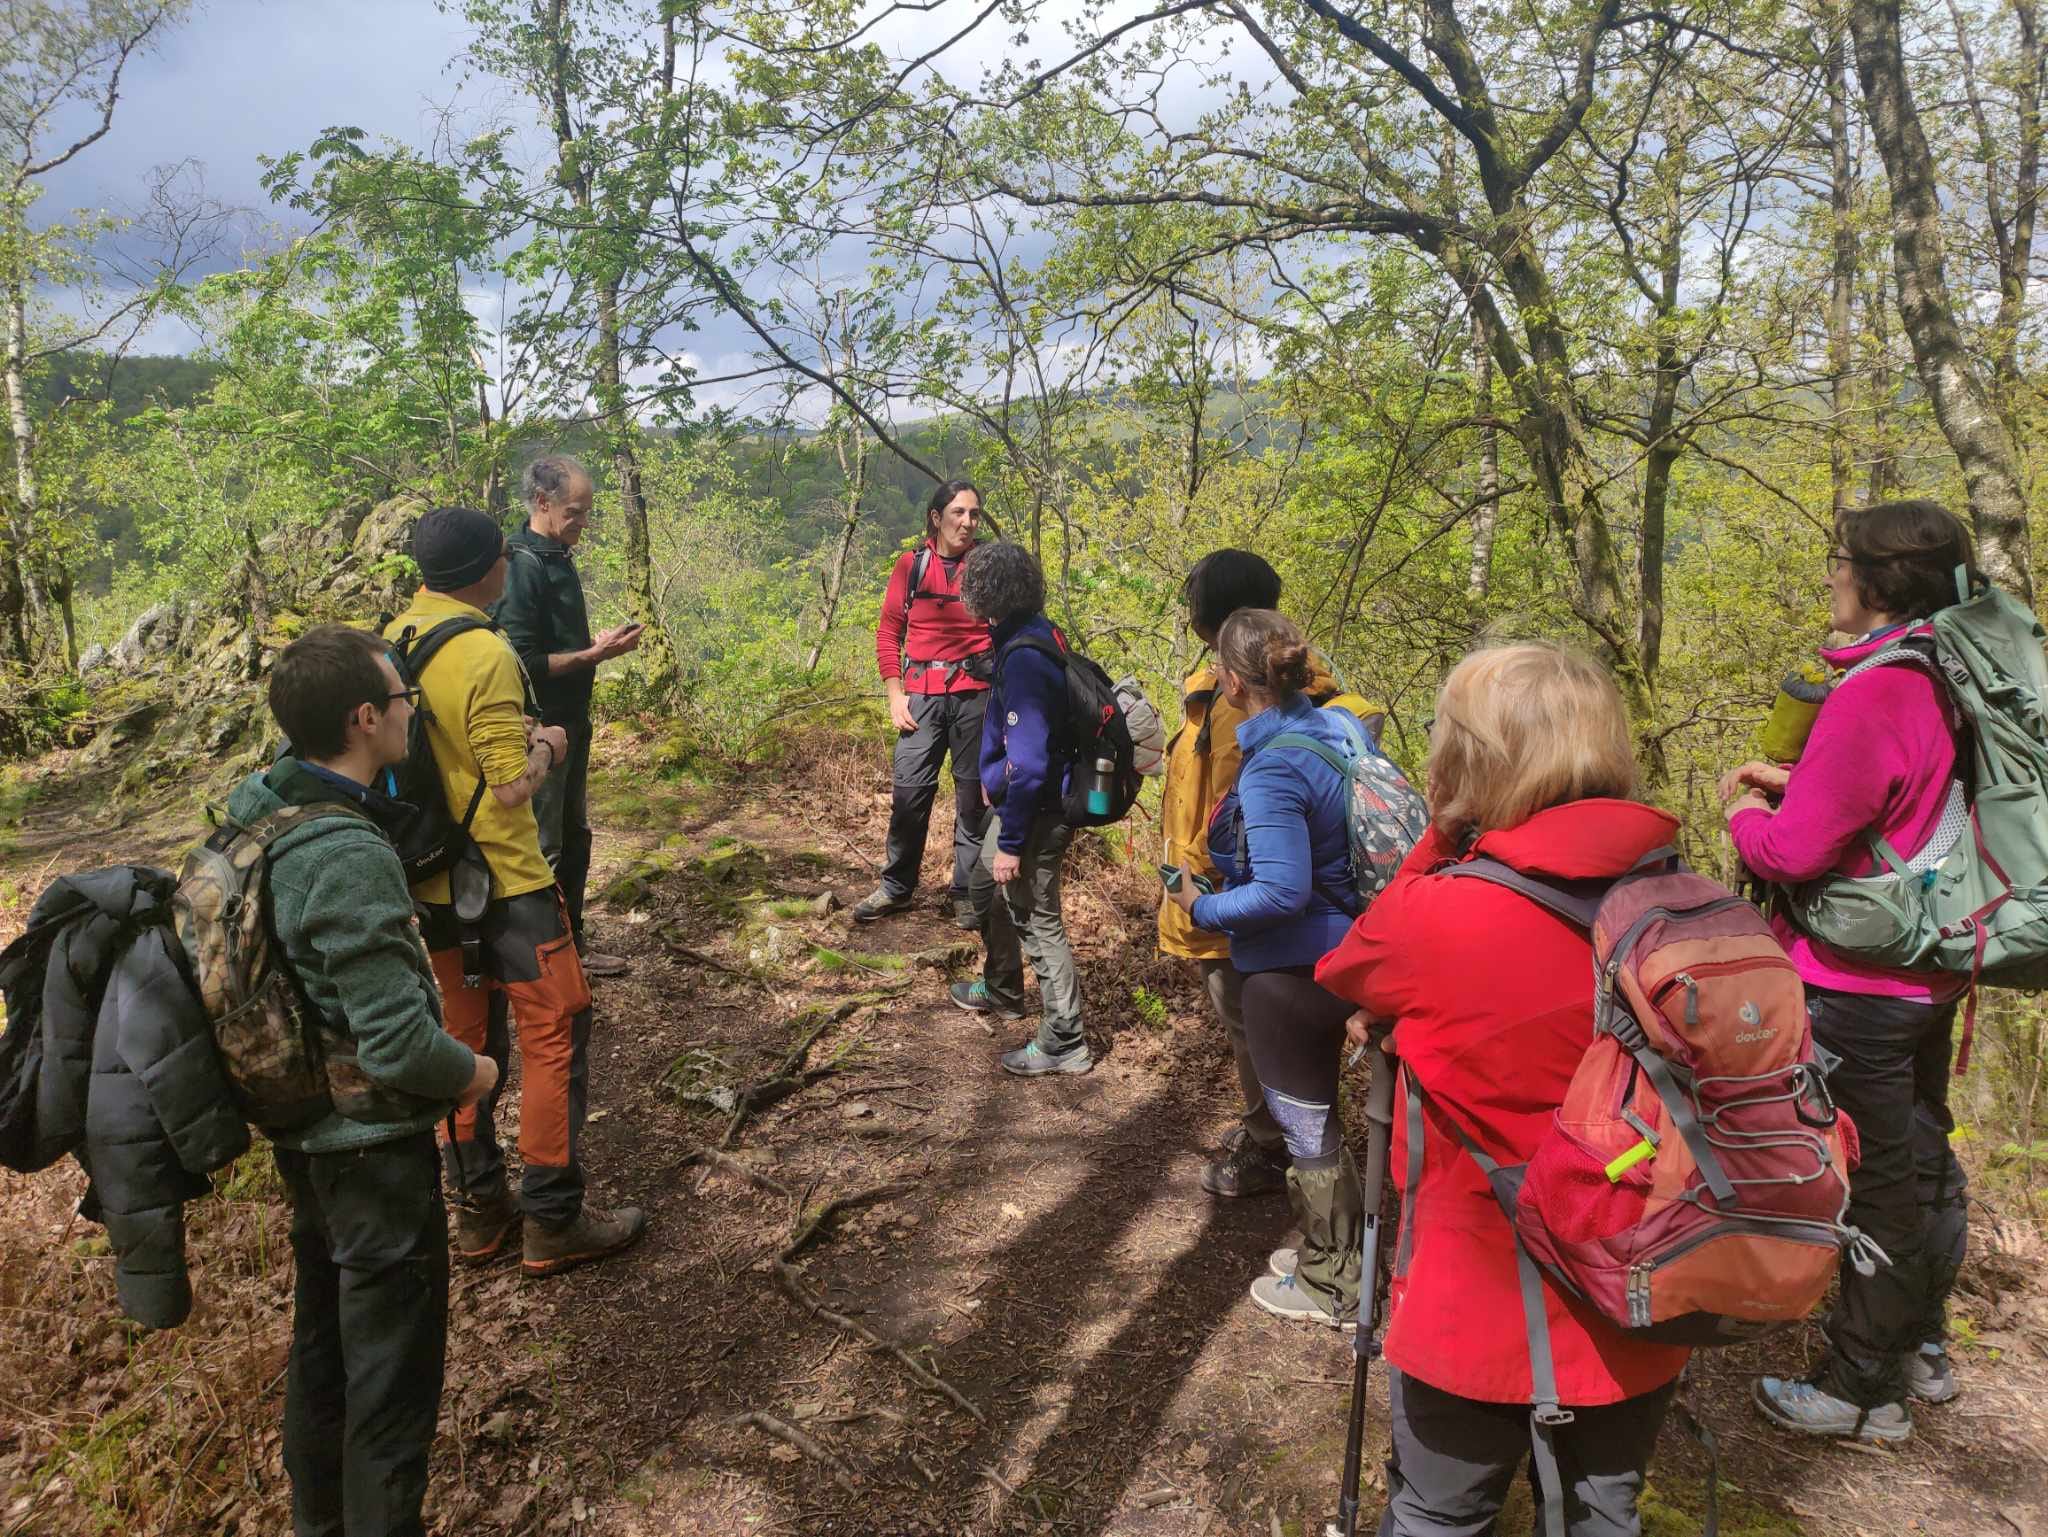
[1546, 1413]
[278, 823]
[920, 563]
[1575, 901]
[1051, 648]
[1322, 750]
[419, 650]
[1344, 901]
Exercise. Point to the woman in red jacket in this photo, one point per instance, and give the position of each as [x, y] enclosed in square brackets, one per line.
[1492, 1001]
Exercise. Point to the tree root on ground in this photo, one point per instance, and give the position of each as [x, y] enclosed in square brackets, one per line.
[696, 957]
[945, 957]
[804, 1234]
[785, 1080]
[783, 1431]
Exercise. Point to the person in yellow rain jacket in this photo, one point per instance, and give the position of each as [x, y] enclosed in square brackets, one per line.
[1201, 768]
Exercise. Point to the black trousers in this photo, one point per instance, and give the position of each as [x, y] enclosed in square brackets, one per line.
[1907, 1195]
[946, 723]
[561, 810]
[369, 1335]
[1294, 1029]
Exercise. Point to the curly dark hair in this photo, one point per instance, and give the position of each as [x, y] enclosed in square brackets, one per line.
[1000, 580]
[1224, 581]
[1904, 556]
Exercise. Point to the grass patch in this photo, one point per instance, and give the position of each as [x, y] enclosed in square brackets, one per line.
[1672, 1506]
[860, 960]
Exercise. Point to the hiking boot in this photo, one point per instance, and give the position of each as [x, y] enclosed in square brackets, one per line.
[1033, 1061]
[483, 1229]
[1281, 1262]
[594, 1234]
[1280, 1296]
[597, 964]
[879, 904]
[974, 998]
[963, 916]
[1812, 1410]
[1246, 1169]
[1930, 1376]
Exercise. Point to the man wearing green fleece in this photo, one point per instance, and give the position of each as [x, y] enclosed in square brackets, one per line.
[369, 1234]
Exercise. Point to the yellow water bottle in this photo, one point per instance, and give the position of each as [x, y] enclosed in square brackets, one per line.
[1790, 723]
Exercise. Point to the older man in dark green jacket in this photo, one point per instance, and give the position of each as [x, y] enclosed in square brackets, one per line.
[544, 617]
[369, 1233]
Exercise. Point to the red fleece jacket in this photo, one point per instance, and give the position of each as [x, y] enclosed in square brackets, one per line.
[932, 628]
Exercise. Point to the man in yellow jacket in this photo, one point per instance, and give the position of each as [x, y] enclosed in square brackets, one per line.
[1201, 767]
[474, 694]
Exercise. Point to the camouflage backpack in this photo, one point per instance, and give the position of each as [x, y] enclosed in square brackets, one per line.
[268, 1036]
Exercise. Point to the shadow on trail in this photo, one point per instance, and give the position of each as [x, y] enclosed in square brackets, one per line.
[1062, 1276]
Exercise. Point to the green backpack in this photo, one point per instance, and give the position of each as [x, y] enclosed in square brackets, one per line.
[1975, 902]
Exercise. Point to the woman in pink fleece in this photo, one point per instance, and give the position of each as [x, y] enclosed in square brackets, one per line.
[1881, 763]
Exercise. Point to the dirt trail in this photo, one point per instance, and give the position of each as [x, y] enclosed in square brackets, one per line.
[1043, 1249]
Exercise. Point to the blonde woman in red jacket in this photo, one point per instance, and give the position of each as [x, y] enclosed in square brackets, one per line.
[1492, 998]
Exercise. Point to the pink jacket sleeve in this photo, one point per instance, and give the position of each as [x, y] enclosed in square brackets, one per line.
[1853, 768]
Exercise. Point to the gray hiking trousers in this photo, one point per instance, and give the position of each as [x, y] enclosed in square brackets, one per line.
[1454, 1460]
[1022, 918]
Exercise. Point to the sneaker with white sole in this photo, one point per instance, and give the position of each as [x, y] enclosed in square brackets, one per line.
[973, 997]
[1033, 1061]
[1811, 1410]
[1281, 1263]
[1930, 1376]
[880, 904]
[1280, 1296]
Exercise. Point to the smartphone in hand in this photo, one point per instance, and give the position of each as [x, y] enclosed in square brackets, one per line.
[1170, 876]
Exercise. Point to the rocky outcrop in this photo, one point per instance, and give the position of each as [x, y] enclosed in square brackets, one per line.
[187, 682]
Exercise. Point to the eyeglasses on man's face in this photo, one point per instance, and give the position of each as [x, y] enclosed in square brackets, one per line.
[410, 695]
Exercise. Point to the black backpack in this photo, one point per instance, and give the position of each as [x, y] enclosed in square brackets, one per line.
[1093, 728]
[431, 839]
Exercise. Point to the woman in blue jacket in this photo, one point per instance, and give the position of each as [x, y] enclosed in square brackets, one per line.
[1288, 900]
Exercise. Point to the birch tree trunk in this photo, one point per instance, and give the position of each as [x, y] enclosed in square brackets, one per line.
[1486, 516]
[1962, 406]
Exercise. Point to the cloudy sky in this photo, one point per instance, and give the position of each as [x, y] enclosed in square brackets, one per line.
[245, 78]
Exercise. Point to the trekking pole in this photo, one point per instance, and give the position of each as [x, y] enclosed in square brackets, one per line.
[1365, 1344]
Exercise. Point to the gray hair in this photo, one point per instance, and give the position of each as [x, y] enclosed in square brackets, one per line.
[1000, 581]
[550, 476]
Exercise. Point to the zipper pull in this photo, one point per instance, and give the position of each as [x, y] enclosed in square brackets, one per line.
[1692, 998]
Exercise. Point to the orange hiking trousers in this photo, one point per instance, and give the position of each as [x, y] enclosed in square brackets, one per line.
[532, 972]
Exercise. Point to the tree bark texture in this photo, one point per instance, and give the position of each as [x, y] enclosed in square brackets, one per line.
[1486, 516]
[1842, 288]
[657, 651]
[1962, 406]
[853, 467]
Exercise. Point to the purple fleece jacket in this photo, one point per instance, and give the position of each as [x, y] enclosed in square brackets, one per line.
[1880, 760]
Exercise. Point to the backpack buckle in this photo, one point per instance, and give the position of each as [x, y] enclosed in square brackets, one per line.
[1552, 1415]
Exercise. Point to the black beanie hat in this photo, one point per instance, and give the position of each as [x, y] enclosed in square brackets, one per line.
[455, 546]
